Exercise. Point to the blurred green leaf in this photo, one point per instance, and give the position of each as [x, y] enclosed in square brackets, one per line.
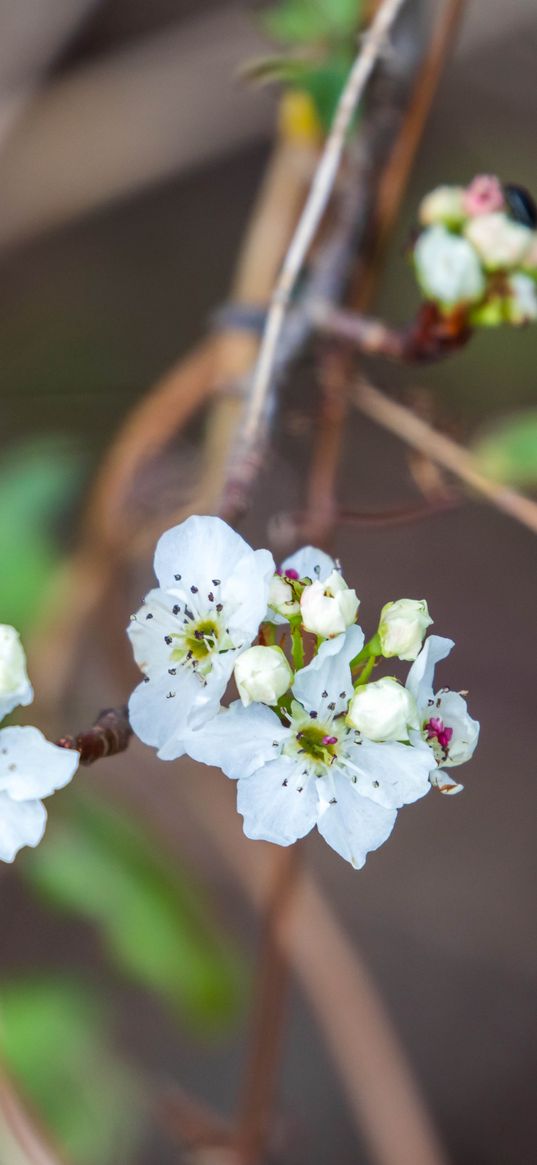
[508, 452]
[324, 83]
[303, 21]
[288, 70]
[102, 865]
[53, 1035]
[37, 481]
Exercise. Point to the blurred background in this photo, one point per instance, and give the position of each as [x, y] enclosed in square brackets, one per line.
[130, 158]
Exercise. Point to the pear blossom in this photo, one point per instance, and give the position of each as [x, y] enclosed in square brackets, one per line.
[448, 267]
[383, 710]
[402, 627]
[522, 301]
[484, 195]
[284, 597]
[262, 674]
[443, 205]
[498, 240]
[315, 769]
[187, 636]
[328, 607]
[445, 723]
[30, 766]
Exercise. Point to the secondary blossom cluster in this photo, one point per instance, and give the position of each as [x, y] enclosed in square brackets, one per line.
[311, 740]
[477, 251]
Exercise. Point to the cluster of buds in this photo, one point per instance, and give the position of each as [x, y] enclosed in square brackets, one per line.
[312, 739]
[476, 254]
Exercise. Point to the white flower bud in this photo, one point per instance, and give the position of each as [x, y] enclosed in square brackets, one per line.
[329, 607]
[281, 598]
[383, 710]
[262, 675]
[447, 267]
[522, 302]
[443, 205]
[14, 683]
[498, 240]
[402, 628]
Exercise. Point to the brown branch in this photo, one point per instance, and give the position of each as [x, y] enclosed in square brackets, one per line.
[109, 735]
[443, 450]
[431, 336]
[245, 455]
[269, 1012]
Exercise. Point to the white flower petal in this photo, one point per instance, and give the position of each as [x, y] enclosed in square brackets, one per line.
[440, 780]
[21, 823]
[420, 677]
[165, 710]
[244, 593]
[147, 629]
[391, 774]
[329, 673]
[273, 807]
[199, 550]
[453, 710]
[32, 767]
[310, 563]
[238, 740]
[354, 825]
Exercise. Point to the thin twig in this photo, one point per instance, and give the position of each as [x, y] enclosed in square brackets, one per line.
[268, 1018]
[429, 337]
[108, 736]
[258, 401]
[443, 450]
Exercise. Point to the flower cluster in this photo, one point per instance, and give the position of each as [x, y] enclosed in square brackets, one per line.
[311, 740]
[477, 252]
[30, 766]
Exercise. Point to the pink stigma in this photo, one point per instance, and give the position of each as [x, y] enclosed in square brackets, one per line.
[292, 574]
[329, 740]
[437, 730]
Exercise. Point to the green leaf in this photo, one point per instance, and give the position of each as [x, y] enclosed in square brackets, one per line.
[324, 83]
[37, 480]
[304, 21]
[102, 865]
[508, 451]
[53, 1036]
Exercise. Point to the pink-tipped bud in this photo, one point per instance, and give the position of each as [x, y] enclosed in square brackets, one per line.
[483, 196]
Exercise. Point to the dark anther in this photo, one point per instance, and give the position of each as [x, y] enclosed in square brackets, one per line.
[216, 582]
[172, 671]
[194, 590]
[219, 607]
[324, 695]
[176, 609]
[168, 639]
[210, 597]
[313, 715]
[177, 577]
[149, 615]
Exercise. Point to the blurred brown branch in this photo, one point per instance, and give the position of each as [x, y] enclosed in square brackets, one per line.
[108, 736]
[443, 450]
[252, 432]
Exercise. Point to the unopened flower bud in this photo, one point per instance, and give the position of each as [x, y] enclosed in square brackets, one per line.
[282, 599]
[521, 306]
[262, 675]
[483, 196]
[15, 687]
[328, 607]
[402, 628]
[443, 205]
[448, 267]
[498, 240]
[383, 710]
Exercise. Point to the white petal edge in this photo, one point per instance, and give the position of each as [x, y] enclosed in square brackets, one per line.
[31, 766]
[21, 823]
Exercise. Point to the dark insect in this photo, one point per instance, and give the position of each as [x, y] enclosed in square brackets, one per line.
[521, 205]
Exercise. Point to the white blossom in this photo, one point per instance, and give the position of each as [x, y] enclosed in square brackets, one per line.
[522, 300]
[443, 205]
[445, 723]
[498, 240]
[328, 607]
[262, 674]
[30, 766]
[402, 627]
[315, 769]
[211, 599]
[383, 710]
[307, 563]
[448, 267]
